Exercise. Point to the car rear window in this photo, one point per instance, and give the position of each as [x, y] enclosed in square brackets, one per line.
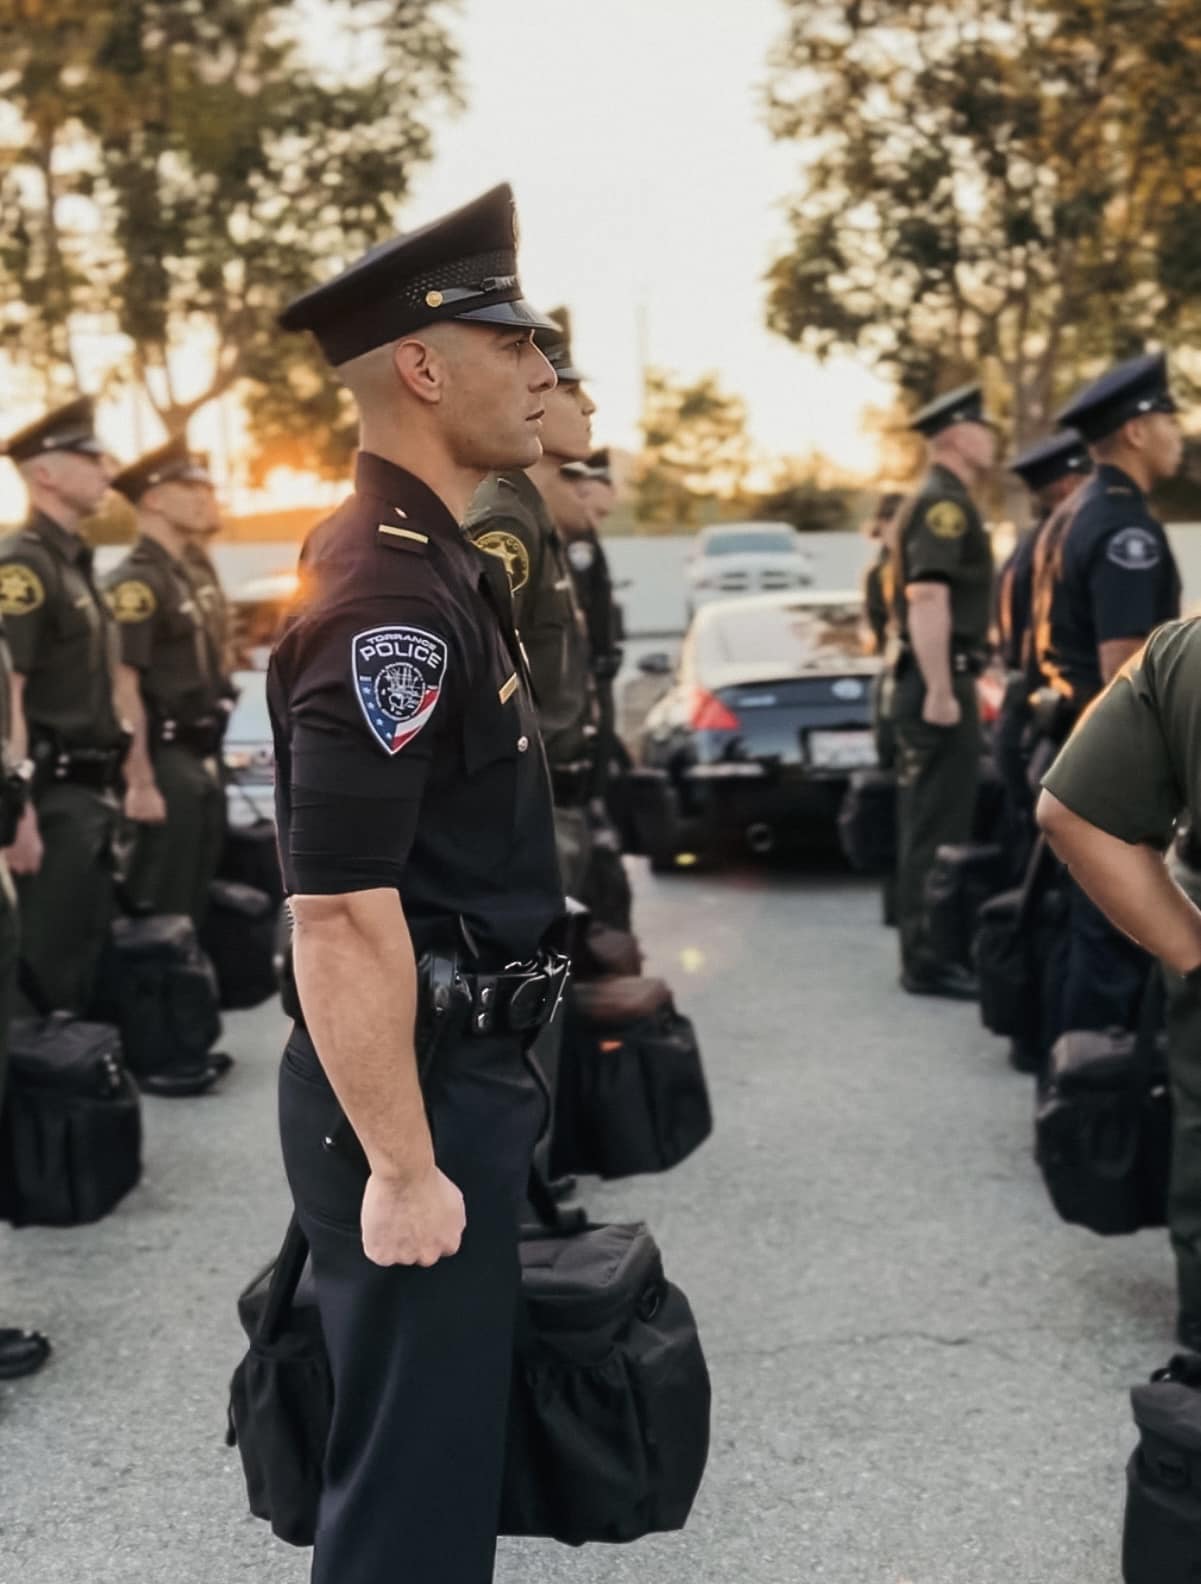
[766, 541]
[797, 635]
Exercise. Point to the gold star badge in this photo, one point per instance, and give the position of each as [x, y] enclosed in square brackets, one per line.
[946, 520]
[512, 552]
[21, 590]
[132, 601]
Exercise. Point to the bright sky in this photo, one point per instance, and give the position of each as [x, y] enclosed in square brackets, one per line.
[650, 198]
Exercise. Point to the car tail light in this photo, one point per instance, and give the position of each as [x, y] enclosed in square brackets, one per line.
[710, 714]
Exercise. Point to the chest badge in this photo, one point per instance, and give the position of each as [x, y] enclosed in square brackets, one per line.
[21, 590]
[512, 552]
[132, 600]
[398, 674]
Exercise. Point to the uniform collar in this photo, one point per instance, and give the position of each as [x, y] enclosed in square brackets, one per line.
[373, 475]
[942, 478]
[70, 546]
[151, 549]
[1109, 478]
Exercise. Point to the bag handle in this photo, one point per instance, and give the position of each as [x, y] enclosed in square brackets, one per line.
[285, 1279]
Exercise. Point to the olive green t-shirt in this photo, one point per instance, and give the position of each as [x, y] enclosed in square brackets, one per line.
[1133, 764]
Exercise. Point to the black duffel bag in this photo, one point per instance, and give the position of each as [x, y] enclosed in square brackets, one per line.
[1014, 951]
[1161, 1540]
[959, 882]
[631, 1094]
[609, 1413]
[1103, 1124]
[71, 1130]
[251, 857]
[867, 822]
[240, 940]
[160, 990]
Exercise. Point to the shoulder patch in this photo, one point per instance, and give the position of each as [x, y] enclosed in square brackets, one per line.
[581, 554]
[398, 674]
[512, 552]
[1134, 550]
[21, 589]
[402, 538]
[132, 600]
[946, 520]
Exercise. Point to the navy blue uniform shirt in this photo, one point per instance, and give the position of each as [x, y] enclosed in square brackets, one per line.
[407, 747]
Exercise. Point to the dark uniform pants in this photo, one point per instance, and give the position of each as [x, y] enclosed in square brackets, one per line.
[1184, 1191]
[937, 772]
[1105, 974]
[174, 864]
[10, 936]
[1013, 767]
[67, 907]
[421, 1359]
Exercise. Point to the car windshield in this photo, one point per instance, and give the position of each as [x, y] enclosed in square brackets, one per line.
[751, 541]
[250, 722]
[799, 636]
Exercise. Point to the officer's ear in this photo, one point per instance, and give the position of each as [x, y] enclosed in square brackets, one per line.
[421, 365]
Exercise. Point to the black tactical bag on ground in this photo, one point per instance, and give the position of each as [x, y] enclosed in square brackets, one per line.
[71, 1130]
[960, 881]
[609, 1417]
[251, 857]
[1161, 1543]
[1103, 1125]
[160, 990]
[240, 939]
[1016, 953]
[631, 1094]
[867, 822]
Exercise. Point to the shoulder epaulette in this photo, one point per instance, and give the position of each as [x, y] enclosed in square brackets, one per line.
[402, 538]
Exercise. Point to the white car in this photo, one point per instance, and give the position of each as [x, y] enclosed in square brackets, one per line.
[730, 559]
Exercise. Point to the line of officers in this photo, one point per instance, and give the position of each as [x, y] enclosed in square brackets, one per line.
[1087, 583]
[114, 696]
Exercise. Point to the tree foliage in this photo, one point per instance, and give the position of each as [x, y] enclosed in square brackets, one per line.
[171, 171]
[696, 451]
[1013, 185]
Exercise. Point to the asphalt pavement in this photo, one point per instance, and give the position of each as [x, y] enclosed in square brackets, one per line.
[919, 1374]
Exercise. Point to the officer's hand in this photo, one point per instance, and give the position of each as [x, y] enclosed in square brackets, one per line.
[941, 709]
[25, 854]
[412, 1223]
[144, 803]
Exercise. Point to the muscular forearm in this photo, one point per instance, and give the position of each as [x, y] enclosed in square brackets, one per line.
[930, 633]
[18, 743]
[358, 985]
[1130, 884]
[139, 771]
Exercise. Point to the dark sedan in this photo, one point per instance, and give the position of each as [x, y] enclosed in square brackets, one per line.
[752, 747]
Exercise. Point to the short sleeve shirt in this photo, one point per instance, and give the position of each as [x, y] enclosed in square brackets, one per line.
[210, 597]
[1133, 764]
[941, 538]
[61, 635]
[162, 634]
[1110, 575]
[406, 739]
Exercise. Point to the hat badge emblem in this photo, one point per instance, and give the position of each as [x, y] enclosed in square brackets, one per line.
[433, 299]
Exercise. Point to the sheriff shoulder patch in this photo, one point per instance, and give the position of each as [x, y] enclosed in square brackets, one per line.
[946, 520]
[581, 553]
[1134, 550]
[21, 590]
[512, 552]
[132, 600]
[398, 674]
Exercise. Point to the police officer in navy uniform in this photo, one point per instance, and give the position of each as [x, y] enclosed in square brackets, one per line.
[1052, 469]
[1105, 578]
[414, 814]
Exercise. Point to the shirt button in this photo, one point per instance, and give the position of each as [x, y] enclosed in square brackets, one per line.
[522, 744]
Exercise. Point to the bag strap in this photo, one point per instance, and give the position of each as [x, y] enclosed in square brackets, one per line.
[30, 987]
[285, 1279]
[1150, 1022]
[1038, 870]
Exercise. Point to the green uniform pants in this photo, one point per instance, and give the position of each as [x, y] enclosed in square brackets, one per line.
[937, 771]
[67, 907]
[174, 864]
[10, 941]
[1184, 1075]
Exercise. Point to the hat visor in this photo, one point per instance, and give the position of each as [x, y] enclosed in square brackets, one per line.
[517, 314]
[576, 470]
[571, 375]
[84, 445]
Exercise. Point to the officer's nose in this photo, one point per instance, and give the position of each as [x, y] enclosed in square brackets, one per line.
[587, 405]
[544, 377]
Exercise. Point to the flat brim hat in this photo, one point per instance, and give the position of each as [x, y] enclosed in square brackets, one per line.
[1047, 461]
[554, 342]
[172, 463]
[964, 405]
[1130, 390]
[580, 471]
[460, 267]
[69, 428]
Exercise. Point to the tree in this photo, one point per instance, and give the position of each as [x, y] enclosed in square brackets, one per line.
[171, 171]
[696, 451]
[800, 498]
[1010, 185]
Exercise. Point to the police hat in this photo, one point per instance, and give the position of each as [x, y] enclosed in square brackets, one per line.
[1131, 390]
[555, 345]
[463, 266]
[172, 463]
[600, 465]
[579, 471]
[69, 428]
[1047, 461]
[965, 405]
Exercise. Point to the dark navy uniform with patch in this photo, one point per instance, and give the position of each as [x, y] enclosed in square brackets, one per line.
[1105, 571]
[408, 756]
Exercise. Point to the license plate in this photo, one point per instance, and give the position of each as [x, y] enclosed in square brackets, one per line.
[842, 750]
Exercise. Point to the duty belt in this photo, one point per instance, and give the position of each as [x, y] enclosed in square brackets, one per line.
[56, 762]
[571, 783]
[202, 737]
[964, 662]
[520, 999]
